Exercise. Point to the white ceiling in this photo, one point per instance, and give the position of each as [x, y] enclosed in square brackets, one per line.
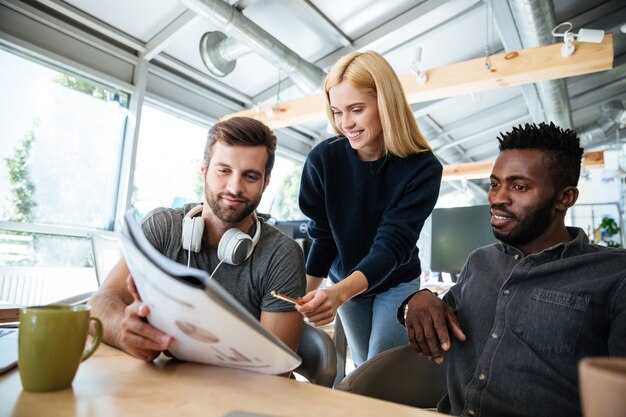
[461, 129]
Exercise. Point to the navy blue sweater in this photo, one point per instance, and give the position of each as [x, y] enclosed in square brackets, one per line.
[366, 215]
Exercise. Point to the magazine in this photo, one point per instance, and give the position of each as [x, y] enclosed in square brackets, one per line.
[207, 323]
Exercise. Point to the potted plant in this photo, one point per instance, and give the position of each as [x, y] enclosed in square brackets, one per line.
[608, 227]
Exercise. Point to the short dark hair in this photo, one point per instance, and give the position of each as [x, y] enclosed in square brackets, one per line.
[563, 153]
[242, 131]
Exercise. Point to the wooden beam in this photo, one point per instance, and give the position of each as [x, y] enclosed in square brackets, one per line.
[594, 159]
[507, 70]
[467, 171]
[289, 113]
[474, 170]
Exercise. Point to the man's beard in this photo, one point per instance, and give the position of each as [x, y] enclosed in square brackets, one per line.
[527, 230]
[227, 214]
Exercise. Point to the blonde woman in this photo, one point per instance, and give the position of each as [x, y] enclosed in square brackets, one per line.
[367, 193]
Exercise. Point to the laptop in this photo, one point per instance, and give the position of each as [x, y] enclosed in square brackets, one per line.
[8, 349]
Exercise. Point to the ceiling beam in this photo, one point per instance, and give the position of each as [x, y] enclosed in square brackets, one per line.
[409, 25]
[511, 40]
[426, 18]
[442, 134]
[474, 170]
[507, 70]
[94, 23]
[332, 27]
[162, 39]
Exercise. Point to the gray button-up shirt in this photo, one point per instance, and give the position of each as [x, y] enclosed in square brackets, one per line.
[528, 321]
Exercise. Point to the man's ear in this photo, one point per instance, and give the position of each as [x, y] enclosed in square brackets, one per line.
[567, 198]
[203, 169]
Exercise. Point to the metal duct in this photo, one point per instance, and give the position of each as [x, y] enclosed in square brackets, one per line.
[600, 130]
[219, 52]
[535, 20]
[308, 77]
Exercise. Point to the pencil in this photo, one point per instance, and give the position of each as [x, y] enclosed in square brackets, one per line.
[286, 298]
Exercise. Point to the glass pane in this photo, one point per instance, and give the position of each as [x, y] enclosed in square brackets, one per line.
[39, 269]
[169, 155]
[61, 146]
[37, 249]
[167, 170]
[280, 199]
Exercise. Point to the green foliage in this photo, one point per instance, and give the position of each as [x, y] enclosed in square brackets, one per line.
[83, 86]
[21, 188]
[609, 225]
[285, 206]
[198, 186]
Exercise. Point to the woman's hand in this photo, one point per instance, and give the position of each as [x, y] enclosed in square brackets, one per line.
[320, 306]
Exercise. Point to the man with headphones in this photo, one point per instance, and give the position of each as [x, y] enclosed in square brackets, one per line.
[223, 236]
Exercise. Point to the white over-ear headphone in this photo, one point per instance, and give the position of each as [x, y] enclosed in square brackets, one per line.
[235, 246]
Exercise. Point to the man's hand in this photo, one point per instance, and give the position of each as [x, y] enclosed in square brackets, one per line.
[137, 337]
[427, 320]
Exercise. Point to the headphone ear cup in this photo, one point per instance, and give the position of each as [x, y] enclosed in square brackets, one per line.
[193, 229]
[235, 246]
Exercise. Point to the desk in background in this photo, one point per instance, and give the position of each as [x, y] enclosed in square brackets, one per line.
[114, 384]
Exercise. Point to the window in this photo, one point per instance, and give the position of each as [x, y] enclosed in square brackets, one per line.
[61, 145]
[60, 152]
[280, 199]
[167, 168]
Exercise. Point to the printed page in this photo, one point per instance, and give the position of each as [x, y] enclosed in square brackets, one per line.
[208, 325]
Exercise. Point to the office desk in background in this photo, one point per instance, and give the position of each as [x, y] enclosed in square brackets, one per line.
[114, 384]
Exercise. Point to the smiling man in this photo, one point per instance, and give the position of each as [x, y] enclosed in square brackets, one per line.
[532, 306]
[236, 168]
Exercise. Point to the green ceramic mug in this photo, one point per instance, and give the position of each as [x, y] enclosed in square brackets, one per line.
[51, 344]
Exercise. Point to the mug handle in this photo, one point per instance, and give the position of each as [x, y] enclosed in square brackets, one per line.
[97, 338]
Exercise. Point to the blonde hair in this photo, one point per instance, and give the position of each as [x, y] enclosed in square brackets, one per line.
[370, 73]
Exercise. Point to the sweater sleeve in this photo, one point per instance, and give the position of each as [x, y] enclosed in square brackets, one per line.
[312, 201]
[401, 225]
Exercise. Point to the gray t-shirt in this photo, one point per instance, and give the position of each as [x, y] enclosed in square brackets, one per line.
[276, 264]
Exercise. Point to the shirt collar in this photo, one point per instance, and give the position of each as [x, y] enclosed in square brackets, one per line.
[560, 250]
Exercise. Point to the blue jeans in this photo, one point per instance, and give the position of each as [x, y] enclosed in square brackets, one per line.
[370, 322]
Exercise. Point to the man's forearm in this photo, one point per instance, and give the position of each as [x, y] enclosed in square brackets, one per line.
[109, 307]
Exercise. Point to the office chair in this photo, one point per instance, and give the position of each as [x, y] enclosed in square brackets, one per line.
[399, 375]
[319, 358]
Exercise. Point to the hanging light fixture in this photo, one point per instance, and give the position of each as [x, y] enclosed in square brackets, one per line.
[583, 35]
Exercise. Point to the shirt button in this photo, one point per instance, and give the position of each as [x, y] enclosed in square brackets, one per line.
[482, 376]
[494, 335]
[516, 257]
[506, 292]
[470, 413]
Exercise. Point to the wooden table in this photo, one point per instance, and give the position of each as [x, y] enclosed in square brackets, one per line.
[114, 384]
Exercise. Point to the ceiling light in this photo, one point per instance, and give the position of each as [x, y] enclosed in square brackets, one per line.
[420, 76]
[583, 35]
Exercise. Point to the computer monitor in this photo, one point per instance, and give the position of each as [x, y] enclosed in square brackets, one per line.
[297, 228]
[456, 232]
